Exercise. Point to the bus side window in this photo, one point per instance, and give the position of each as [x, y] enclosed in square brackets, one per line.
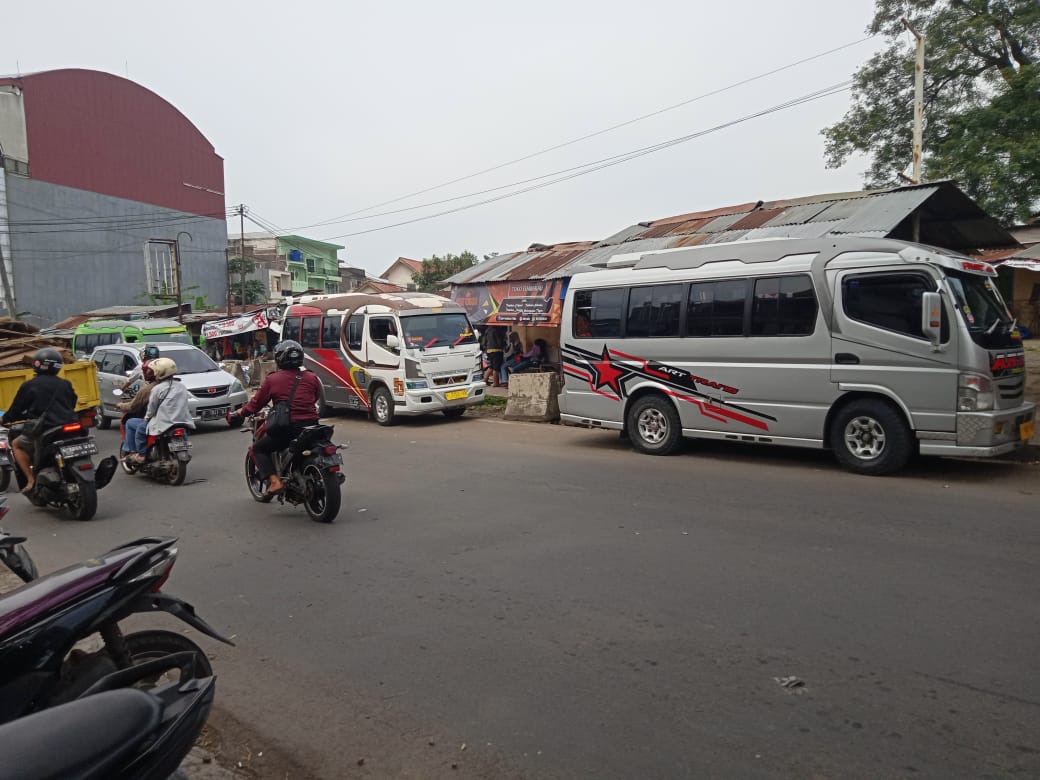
[310, 332]
[355, 327]
[330, 331]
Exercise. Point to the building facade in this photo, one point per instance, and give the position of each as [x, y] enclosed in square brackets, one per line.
[288, 265]
[108, 195]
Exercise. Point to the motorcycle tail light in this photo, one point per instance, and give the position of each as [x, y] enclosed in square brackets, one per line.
[164, 576]
[334, 469]
[178, 433]
[86, 466]
[330, 449]
[72, 427]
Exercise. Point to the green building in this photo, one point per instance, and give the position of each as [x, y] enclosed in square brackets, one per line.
[313, 265]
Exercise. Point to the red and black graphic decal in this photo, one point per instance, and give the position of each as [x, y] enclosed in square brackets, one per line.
[1007, 363]
[608, 371]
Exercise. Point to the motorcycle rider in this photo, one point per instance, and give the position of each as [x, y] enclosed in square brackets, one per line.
[46, 397]
[167, 407]
[137, 405]
[288, 356]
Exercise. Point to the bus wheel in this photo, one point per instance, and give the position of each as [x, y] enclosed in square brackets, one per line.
[653, 425]
[870, 437]
[383, 406]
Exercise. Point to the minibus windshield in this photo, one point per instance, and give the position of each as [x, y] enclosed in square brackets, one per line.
[983, 309]
[424, 331]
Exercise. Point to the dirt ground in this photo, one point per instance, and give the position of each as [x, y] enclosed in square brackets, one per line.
[1033, 377]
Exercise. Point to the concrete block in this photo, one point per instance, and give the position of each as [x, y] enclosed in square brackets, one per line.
[533, 397]
[267, 367]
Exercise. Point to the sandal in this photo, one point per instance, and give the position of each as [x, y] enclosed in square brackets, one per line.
[27, 490]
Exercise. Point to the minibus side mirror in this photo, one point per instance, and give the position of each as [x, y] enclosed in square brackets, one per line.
[931, 317]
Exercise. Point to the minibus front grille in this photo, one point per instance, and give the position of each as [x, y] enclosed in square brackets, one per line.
[455, 379]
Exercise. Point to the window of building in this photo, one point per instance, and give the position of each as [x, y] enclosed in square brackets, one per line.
[161, 269]
[603, 309]
[891, 301]
[355, 327]
[310, 265]
[310, 331]
[653, 312]
[717, 308]
[783, 306]
[330, 331]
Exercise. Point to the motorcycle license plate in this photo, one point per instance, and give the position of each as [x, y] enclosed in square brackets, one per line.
[78, 450]
[219, 413]
[455, 395]
[179, 445]
[1025, 431]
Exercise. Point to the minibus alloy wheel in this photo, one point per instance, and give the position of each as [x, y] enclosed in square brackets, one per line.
[870, 437]
[653, 425]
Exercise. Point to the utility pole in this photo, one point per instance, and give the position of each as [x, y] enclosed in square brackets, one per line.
[242, 248]
[227, 269]
[12, 310]
[918, 117]
[180, 304]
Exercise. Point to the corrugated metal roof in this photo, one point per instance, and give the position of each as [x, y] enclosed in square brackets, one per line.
[474, 272]
[882, 212]
[755, 219]
[797, 215]
[1030, 253]
[721, 223]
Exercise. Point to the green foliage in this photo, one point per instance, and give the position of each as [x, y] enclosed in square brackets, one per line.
[981, 97]
[436, 269]
[240, 265]
[255, 292]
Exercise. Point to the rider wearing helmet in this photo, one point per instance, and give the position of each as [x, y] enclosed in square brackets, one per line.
[289, 380]
[167, 407]
[46, 397]
[136, 406]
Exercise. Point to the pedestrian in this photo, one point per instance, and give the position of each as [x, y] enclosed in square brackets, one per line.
[495, 344]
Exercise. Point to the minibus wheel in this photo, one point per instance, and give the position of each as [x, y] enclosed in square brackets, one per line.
[383, 406]
[870, 437]
[653, 425]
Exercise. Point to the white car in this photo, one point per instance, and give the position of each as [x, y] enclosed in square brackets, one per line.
[214, 392]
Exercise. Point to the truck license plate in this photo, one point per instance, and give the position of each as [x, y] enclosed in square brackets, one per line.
[454, 395]
[1025, 431]
[214, 414]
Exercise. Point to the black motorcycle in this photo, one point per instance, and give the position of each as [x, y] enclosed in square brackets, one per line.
[42, 621]
[116, 731]
[64, 468]
[310, 467]
[6, 460]
[167, 455]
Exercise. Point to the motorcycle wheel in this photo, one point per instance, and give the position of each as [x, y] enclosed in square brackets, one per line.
[322, 496]
[5, 478]
[257, 486]
[129, 468]
[176, 472]
[148, 645]
[85, 506]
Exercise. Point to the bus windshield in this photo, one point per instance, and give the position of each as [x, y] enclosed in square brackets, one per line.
[424, 331]
[982, 309]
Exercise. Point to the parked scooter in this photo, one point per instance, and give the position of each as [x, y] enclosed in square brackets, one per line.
[64, 468]
[167, 457]
[41, 621]
[6, 460]
[311, 468]
[115, 731]
[12, 554]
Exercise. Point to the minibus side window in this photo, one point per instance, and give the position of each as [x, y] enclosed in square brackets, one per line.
[330, 331]
[603, 309]
[355, 328]
[653, 312]
[783, 306]
[291, 329]
[310, 332]
[891, 301]
[717, 308]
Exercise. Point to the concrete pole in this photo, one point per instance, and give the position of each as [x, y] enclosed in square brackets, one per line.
[918, 100]
[12, 310]
[242, 248]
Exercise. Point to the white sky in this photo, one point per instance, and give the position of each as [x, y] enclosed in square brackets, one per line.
[324, 108]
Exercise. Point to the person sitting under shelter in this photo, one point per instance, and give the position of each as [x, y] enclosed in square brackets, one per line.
[530, 359]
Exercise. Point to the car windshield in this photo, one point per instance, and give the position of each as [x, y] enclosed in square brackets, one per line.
[424, 331]
[190, 361]
[982, 309]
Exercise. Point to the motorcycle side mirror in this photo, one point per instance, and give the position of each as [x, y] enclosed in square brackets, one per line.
[116, 392]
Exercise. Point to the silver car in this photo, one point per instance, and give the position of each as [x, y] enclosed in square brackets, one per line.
[214, 392]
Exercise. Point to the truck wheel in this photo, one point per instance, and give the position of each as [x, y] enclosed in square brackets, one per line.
[870, 437]
[383, 406]
[653, 425]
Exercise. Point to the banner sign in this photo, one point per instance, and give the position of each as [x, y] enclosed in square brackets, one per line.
[529, 302]
[233, 326]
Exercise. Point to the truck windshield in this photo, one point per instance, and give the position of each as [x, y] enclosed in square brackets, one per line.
[424, 331]
[982, 309]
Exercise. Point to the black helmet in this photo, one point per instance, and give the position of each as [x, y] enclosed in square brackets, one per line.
[288, 354]
[47, 361]
[151, 352]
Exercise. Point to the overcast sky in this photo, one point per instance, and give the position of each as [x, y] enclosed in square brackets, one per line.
[324, 108]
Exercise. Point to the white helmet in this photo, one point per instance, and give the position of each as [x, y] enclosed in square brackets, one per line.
[163, 368]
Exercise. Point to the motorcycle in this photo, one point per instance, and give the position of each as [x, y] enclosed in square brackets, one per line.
[6, 461]
[42, 621]
[310, 467]
[115, 731]
[167, 456]
[64, 468]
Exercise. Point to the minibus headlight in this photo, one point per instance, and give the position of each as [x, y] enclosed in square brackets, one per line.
[974, 393]
[417, 384]
[477, 376]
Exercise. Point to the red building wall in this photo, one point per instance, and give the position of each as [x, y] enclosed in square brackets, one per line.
[102, 133]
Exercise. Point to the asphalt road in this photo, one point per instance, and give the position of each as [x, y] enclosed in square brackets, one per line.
[563, 607]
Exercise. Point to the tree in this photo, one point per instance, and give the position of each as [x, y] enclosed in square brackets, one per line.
[436, 269]
[981, 101]
[255, 292]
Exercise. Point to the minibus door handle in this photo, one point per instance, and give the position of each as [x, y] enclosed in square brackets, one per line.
[846, 359]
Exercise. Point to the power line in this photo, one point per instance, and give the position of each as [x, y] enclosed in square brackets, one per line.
[712, 93]
[572, 173]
